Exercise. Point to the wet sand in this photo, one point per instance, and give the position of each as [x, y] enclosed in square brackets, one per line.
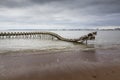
[74, 64]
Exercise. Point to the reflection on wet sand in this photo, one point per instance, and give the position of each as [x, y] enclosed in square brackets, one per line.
[61, 65]
[90, 54]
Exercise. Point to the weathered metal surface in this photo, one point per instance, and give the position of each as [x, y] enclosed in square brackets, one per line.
[46, 35]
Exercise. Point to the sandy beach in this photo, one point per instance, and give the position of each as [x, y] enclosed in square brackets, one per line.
[73, 64]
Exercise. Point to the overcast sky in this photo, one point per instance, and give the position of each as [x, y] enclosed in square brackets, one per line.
[36, 14]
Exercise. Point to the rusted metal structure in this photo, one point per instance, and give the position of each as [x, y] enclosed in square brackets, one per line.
[46, 35]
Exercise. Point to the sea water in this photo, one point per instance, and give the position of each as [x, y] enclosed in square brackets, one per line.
[103, 38]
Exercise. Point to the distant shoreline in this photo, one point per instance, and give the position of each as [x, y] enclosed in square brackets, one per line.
[61, 29]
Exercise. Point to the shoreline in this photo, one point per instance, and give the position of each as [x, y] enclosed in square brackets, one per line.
[80, 47]
[72, 64]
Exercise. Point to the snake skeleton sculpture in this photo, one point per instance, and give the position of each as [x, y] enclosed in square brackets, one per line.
[46, 35]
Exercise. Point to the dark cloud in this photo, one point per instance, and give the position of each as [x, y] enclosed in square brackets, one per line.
[14, 3]
[45, 1]
[24, 3]
[95, 6]
[86, 6]
[106, 6]
[64, 12]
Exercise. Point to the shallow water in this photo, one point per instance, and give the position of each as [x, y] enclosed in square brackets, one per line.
[103, 39]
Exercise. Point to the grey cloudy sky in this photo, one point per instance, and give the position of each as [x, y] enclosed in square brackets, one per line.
[36, 14]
